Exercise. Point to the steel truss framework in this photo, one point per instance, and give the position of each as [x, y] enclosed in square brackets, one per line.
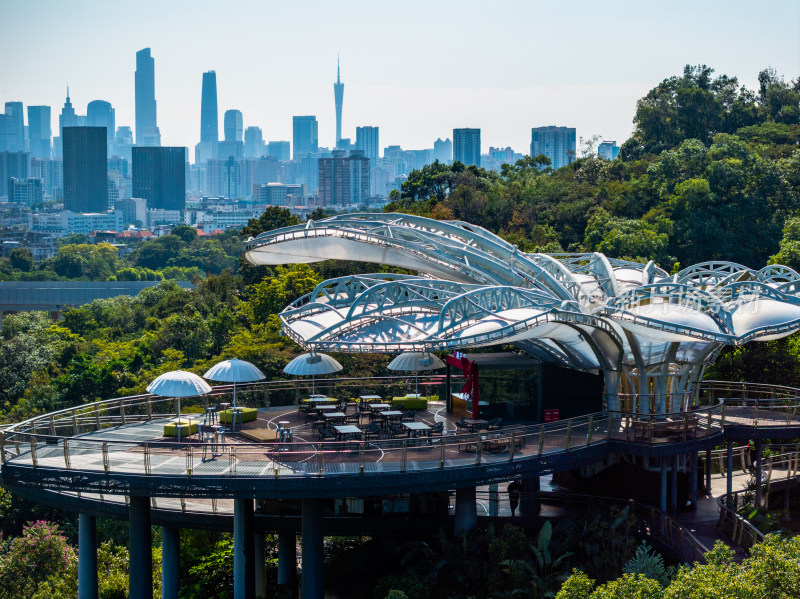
[651, 334]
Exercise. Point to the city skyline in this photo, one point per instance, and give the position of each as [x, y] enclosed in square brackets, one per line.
[414, 95]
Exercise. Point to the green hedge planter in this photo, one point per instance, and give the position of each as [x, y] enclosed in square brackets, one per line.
[410, 403]
[171, 429]
[248, 415]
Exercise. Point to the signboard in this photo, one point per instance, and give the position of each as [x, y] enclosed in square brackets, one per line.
[552, 415]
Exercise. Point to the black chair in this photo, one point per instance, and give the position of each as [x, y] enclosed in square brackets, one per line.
[352, 419]
[325, 434]
[494, 424]
[437, 428]
[462, 428]
[397, 431]
[371, 431]
[409, 415]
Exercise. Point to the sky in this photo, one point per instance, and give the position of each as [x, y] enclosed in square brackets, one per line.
[417, 69]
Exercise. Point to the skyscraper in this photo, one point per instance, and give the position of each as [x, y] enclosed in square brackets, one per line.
[209, 120]
[39, 132]
[14, 128]
[338, 96]
[100, 113]
[279, 149]
[12, 165]
[443, 150]
[344, 179]
[367, 141]
[304, 135]
[608, 150]
[253, 143]
[159, 176]
[467, 146]
[233, 125]
[85, 169]
[147, 133]
[557, 143]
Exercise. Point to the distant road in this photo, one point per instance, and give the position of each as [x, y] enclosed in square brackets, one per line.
[54, 296]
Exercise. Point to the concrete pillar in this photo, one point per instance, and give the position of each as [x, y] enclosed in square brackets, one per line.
[494, 500]
[708, 472]
[466, 516]
[260, 560]
[170, 562]
[759, 474]
[529, 502]
[87, 557]
[140, 551]
[663, 504]
[312, 549]
[287, 559]
[693, 482]
[243, 546]
[673, 497]
[729, 468]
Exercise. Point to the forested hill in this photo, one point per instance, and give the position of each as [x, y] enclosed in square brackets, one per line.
[712, 172]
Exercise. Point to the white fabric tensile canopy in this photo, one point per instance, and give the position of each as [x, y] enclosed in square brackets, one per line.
[234, 371]
[178, 383]
[312, 364]
[415, 361]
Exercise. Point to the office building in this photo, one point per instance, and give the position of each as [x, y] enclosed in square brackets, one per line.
[85, 169]
[147, 133]
[51, 173]
[232, 144]
[557, 143]
[209, 120]
[338, 96]
[367, 141]
[344, 179]
[443, 150]
[133, 210]
[279, 149]
[67, 222]
[159, 176]
[467, 146]
[12, 164]
[608, 150]
[39, 132]
[305, 137]
[224, 178]
[12, 128]
[123, 142]
[254, 143]
[100, 113]
[271, 194]
[25, 191]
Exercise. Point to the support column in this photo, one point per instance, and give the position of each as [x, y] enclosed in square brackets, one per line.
[466, 516]
[663, 504]
[260, 561]
[243, 546]
[170, 561]
[87, 557]
[287, 559]
[140, 550]
[494, 500]
[729, 468]
[673, 497]
[312, 582]
[759, 497]
[708, 472]
[529, 502]
[693, 483]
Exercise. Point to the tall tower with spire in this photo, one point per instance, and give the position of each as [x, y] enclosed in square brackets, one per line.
[338, 96]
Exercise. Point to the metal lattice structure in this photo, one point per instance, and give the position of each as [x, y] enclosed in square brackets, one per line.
[649, 333]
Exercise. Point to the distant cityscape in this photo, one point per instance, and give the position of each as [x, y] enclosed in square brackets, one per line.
[94, 178]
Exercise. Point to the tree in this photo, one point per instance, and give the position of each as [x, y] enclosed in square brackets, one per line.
[272, 218]
[185, 232]
[21, 259]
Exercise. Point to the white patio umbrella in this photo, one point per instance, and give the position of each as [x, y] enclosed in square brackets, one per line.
[415, 361]
[234, 371]
[178, 383]
[312, 364]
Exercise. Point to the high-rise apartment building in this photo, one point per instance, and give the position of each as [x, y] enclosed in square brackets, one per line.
[367, 141]
[12, 164]
[344, 179]
[85, 169]
[443, 150]
[254, 143]
[279, 149]
[147, 133]
[557, 143]
[608, 150]
[159, 176]
[467, 146]
[338, 96]
[305, 137]
[100, 113]
[39, 132]
[25, 191]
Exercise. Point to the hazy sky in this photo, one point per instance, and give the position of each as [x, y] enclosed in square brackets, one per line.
[415, 68]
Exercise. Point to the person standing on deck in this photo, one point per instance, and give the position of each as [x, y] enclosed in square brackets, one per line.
[514, 490]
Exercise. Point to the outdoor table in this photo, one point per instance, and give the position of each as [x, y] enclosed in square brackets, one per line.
[334, 416]
[413, 395]
[346, 430]
[325, 408]
[283, 429]
[377, 407]
[392, 414]
[369, 398]
[319, 399]
[475, 423]
[313, 395]
[417, 428]
[211, 414]
[236, 414]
